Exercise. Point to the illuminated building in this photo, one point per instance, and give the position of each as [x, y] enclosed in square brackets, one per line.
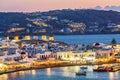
[44, 38]
[66, 55]
[16, 38]
[103, 55]
[44, 56]
[78, 55]
[90, 56]
[2, 67]
[27, 37]
[14, 29]
[51, 38]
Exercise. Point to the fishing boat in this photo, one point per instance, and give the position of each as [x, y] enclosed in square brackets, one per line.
[102, 69]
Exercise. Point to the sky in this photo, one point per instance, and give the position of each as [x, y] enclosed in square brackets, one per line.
[46, 5]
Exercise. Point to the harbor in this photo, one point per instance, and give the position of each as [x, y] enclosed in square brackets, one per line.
[64, 73]
[60, 40]
[52, 64]
[42, 53]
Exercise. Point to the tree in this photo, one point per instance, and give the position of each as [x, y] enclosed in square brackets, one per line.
[113, 42]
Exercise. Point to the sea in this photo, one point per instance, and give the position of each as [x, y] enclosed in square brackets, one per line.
[84, 39]
[88, 39]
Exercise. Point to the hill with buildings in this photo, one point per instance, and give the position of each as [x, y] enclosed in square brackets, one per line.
[66, 21]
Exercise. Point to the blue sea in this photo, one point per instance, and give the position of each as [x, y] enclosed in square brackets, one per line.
[88, 39]
[85, 39]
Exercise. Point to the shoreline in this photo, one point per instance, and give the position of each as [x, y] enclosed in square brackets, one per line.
[66, 34]
[33, 67]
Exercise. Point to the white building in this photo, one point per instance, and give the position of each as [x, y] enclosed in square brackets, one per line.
[90, 56]
[65, 55]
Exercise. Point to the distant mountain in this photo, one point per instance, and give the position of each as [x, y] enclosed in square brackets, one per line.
[58, 20]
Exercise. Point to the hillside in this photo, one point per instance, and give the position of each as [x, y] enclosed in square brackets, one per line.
[65, 21]
[87, 16]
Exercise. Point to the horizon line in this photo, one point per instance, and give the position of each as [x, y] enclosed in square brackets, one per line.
[55, 10]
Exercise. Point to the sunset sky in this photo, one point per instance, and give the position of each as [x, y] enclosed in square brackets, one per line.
[45, 5]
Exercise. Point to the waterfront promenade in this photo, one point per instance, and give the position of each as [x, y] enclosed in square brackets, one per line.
[47, 64]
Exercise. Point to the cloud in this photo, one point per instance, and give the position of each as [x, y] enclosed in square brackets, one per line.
[115, 8]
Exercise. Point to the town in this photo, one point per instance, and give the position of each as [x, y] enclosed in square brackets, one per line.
[79, 21]
[33, 52]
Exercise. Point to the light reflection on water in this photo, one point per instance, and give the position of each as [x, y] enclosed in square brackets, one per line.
[114, 75]
[33, 72]
[48, 71]
[4, 77]
[60, 73]
[111, 76]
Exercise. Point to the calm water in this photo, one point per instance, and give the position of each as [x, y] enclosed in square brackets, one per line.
[88, 39]
[62, 73]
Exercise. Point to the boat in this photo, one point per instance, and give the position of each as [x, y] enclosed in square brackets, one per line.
[114, 68]
[80, 73]
[83, 67]
[102, 69]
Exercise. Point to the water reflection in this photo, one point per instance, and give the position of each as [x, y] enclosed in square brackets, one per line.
[21, 72]
[77, 68]
[12, 75]
[33, 72]
[48, 71]
[111, 75]
[4, 77]
[116, 73]
[61, 73]
[70, 71]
